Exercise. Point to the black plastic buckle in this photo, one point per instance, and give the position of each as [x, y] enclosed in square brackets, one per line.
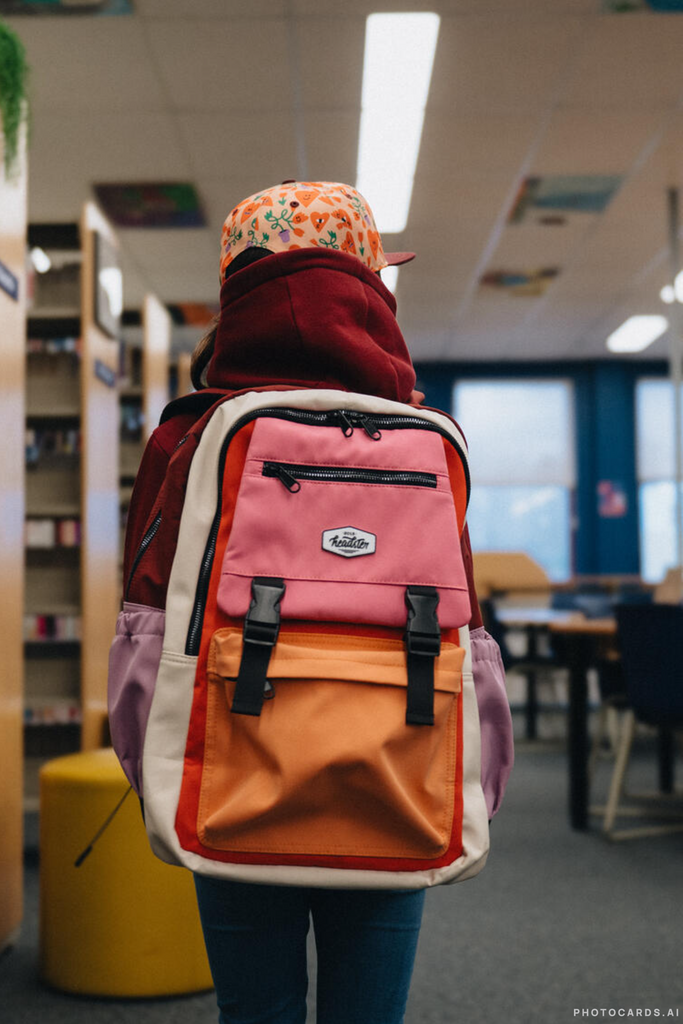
[423, 633]
[262, 622]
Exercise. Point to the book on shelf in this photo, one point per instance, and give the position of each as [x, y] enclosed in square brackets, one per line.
[58, 713]
[45, 443]
[41, 533]
[131, 419]
[53, 346]
[47, 628]
[51, 532]
[68, 533]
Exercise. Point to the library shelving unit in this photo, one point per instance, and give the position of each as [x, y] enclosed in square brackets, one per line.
[13, 320]
[143, 392]
[184, 385]
[71, 586]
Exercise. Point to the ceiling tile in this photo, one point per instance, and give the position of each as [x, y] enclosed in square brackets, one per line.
[332, 145]
[595, 141]
[629, 61]
[462, 144]
[501, 64]
[169, 247]
[224, 65]
[71, 152]
[260, 145]
[89, 64]
[193, 283]
[530, 245]
[330, 52]
[177, 264]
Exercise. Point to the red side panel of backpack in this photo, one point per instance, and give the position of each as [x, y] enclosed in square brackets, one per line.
[147, 583]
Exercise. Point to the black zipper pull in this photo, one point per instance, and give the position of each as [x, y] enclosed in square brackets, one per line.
[371, 431]
[276, 469]
[345, 423]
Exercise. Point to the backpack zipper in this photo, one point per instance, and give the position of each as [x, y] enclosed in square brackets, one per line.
[340, 418]
[147, 539]
[291, 474]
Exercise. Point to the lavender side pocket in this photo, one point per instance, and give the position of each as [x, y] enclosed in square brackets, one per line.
[495, 720]
[133, 664]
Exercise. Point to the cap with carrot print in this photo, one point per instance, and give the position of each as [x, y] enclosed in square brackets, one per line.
[301, 214]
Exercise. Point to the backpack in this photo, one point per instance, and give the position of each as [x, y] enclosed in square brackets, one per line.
[290, 685]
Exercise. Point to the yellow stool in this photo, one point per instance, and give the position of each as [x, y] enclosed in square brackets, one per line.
[124, 923]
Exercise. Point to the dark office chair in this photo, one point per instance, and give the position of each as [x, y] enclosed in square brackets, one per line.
[651, 642]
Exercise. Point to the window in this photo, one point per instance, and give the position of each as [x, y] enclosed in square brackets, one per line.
[521, 441]
[656, 467]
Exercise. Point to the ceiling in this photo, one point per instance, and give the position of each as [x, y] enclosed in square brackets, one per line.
[237, 95]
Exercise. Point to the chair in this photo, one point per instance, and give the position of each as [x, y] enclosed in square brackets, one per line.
[651, 641]
[530, 664]
[595, 601]
[513, 573]
[670, 589]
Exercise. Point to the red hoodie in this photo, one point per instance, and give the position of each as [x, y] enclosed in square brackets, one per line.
[308, 318]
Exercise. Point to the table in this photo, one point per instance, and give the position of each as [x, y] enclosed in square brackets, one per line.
[583, 638]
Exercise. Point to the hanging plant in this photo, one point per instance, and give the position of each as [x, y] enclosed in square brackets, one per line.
[13, 78]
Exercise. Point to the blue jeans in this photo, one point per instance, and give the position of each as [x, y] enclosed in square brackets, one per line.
[256, 941]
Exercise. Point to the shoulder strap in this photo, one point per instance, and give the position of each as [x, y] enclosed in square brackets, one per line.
[197, 402]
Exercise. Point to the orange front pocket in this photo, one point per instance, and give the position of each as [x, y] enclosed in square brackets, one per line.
[329, 767]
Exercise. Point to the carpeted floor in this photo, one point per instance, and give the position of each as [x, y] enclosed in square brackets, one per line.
[559, 927]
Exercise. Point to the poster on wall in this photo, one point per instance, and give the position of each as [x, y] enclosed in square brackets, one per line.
[552, 198]
[624, 6]
[524, 283]
[151, 205]
[52, 7]
[612, 499]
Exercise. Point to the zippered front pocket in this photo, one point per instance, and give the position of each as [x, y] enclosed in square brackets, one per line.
[347, 522]
[290, 475]
[330, 767]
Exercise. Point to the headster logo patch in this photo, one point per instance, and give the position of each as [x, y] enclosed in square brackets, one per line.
[349, 542]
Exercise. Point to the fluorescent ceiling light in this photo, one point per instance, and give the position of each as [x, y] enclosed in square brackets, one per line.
[668, 291]
[636, 333]
[390, 278]
[40, 260]
[399, 55]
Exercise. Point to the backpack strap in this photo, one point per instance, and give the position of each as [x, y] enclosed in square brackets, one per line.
[197, 402]
[423, 644]
[261, 628]
[262, 625]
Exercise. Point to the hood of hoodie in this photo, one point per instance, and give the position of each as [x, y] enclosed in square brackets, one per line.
[310, 318]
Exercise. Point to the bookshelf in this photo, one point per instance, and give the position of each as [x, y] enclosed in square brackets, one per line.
[71, 454]
[13, 319]
[143, 394]
[185, 385]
